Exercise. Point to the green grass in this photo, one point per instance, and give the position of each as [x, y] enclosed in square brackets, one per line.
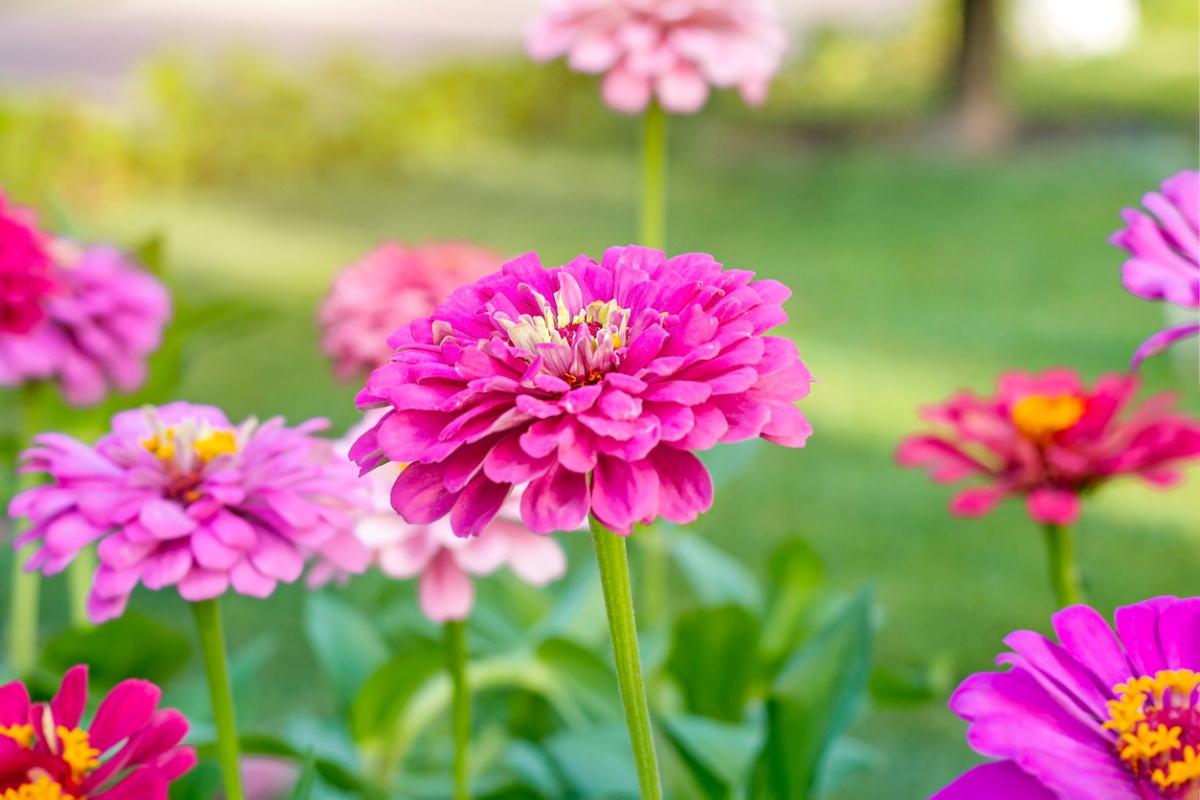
[913, 274]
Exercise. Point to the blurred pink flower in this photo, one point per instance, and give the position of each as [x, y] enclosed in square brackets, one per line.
[1049, 438]
[1166, 254]
[268, 778]
[443, 561]
[179, 496]
[25, 270]
[97, 330]
[672, 49]
[130, 751]
[389, 288]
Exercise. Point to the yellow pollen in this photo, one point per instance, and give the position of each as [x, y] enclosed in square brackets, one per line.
[21, 734]
[215, 444]
[164, 448]
[1040, 418]
[42, 789]
[77, 752]
[1139, 744]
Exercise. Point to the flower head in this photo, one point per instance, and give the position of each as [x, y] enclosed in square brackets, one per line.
[1096, 717]
[389, 288]
[26, 277]
[1166, 254]
[444, 562]
[179, 496]
[95, 331]
[672, 49]
[131, 751]
[1049, 438]
[618, 370]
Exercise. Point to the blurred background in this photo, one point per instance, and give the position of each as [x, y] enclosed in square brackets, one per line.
[935, 180]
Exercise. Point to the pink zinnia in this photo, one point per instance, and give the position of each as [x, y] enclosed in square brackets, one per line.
[672, 49]
[130, 751]
[390, 287]
[96, 330]
[1049, 438]
[25, 271]
[616, 370]
[179, 496]
[1097, 716]
[1166, 254]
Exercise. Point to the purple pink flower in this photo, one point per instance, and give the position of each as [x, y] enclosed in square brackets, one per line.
[1166, 254]
[390, 287]
[130, 751]
[180, 497]
[26, 277]
[617, 370]
[1049, 438]
[1096, 716]
[670, 49]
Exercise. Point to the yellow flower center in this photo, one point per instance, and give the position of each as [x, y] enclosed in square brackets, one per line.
[1151, 715]
[162, 448]
[21, 734]
[215, 444]
[77, 752]
[41, 789]
[1040, 418]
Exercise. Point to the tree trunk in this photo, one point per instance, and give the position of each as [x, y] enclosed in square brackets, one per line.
[981, 119]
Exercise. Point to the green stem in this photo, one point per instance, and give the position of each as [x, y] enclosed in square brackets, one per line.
[654, 178]
[1064, 572]
[618, 601]
[212, 643]
[455, 641]
[79, 582]
[26, 586]
[652, 600]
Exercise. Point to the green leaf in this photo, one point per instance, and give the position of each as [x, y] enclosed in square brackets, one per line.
[847, 759]
[383, 697]
[330, 772]
[715, 577]
[308, 777]
[532, 766]
[345, 643]
[719, 755]
[813, 699]
[894, 688]
[597, 762]
[592, 683]
[713, 660]
[199, 783]
[132, 646]
[795, 574]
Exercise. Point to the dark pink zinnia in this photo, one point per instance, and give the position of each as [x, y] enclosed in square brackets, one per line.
[25, 270]
[616, 370]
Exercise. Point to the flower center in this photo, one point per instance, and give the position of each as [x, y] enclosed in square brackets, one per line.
[21, 734]
[77, 751]
[1158, 722]
[210, 444]
[42, 789]
[1040, 418]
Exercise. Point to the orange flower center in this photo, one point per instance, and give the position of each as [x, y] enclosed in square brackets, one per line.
[41, 789]
[1158, 722]
[1040, 418]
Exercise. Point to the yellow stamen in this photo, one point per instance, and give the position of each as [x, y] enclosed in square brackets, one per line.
[215, 444]
[42, 789]
[1138, 743]
[78, 752]
[21, 734]
[1040, 418]
[162, 448]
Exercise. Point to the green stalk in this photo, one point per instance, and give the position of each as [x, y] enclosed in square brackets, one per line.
[455, 641]
[654, 178]
[618, 602]
[79, 582]
[26, 586]
[212, 643]
[1064, 572]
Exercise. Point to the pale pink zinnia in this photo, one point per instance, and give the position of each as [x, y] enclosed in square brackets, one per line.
[670, 49]
[1049, 438]
[390, 287]
[443, 561]
[617, 371]
[179, 496]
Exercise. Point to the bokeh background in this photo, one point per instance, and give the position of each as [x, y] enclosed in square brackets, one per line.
[938, 221]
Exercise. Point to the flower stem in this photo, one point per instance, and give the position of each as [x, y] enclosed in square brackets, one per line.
[1064, 572]
[79, 582]
[26, 586]
[654, 178]
[455, 641]
[212, 643]
[618, 601]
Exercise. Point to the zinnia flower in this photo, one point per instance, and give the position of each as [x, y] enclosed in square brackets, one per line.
[444, 562]
[672, 49]
[1166, 254]
[617, 370]
[130, 751]
[1049, 439]
[1095, 717]
[179, 496]
[390, 287]
[95, 330]
[25, 270]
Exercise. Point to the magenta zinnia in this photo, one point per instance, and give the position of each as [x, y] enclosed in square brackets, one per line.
[618, 370]
[25, 270]
[130, 751]
[179, 496]
[1096, 717]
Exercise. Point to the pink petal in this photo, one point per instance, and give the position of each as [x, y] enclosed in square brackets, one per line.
[203, 584]
[623, 493]
[445, 592]
[977, 500]
[557, 501]
[1053, 506]
[624, 91]
[69, 703]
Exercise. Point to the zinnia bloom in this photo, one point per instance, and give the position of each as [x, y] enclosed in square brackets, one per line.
[444, 562]
[1097, 716]
[1166, 254]
[25, 270]
[393, 285]
[179, 496]
[617, 370]
[1049, 438]
[671, 49]
[95, 330]
[131, 751]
